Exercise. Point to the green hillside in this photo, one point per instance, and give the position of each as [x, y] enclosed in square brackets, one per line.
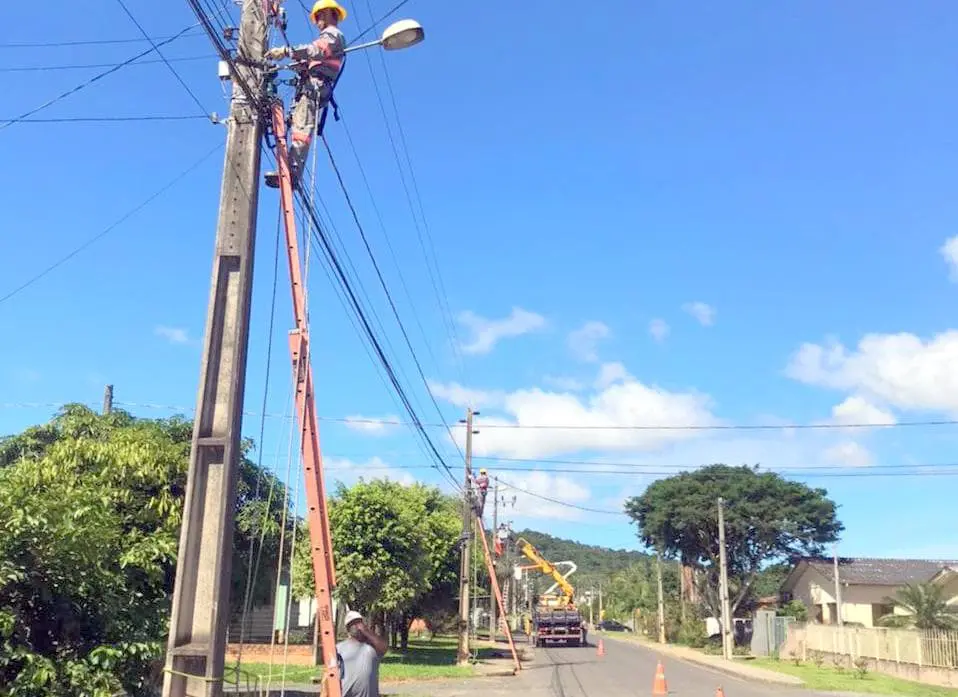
[593, 561]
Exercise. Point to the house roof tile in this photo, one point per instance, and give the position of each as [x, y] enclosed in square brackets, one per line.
[881, 572]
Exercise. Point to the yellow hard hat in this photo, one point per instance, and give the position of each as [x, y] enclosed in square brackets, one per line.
[328, 5]
[482, 470]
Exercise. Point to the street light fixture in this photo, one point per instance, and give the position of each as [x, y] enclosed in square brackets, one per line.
[397, 36]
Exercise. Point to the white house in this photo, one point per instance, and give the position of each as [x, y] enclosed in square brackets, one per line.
[866, 586]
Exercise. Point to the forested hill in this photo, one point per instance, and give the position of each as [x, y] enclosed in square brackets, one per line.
[592, 560]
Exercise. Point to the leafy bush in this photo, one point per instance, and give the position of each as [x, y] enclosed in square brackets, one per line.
[861, 667]
[794, 608]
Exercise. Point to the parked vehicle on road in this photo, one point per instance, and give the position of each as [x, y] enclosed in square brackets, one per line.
[612, 626]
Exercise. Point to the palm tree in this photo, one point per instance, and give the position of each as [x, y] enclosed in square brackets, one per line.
[926, 607]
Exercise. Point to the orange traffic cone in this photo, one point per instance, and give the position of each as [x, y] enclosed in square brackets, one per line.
[660, 687]
[601, 649]
[719, 692]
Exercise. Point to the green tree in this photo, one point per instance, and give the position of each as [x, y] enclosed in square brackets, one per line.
[926, 606]
[90, 509]
[395, 551]
[767, 519]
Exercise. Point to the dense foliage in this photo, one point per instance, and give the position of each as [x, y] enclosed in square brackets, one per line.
[396, 552]
[90, 510]
[767, 519]
[595, 564]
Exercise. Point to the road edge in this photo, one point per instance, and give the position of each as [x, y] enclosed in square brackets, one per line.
[688, 655]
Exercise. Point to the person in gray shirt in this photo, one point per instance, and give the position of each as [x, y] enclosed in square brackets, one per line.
[359, 656]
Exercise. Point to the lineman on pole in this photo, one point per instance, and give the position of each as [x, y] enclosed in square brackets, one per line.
[318, 66]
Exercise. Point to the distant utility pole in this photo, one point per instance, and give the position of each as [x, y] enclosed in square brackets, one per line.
[838, 590]
[658, 583]
[495, 531]
[591, 603]
[108, 399]
[462, 656]
[196, 649]
[682, 592]
[723, 585]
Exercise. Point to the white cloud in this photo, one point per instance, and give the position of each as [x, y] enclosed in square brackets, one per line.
[611, 373]
[463, 397]
[558, 487]
[848, 453]
[349, 471]
[659, 329]
[372, 425]
[563, 383]
[488, 332]
[175, 335]
[949, 250]
[584, 341]
[901, 370]
[703, 312]
[625, 402]
[858, 410]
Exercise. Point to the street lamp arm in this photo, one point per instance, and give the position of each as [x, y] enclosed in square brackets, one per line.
[397, 36]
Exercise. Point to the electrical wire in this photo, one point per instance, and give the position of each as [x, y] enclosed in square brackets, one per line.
[110, 228]
[634, 427]
[560, 502]
[95, 42]
[439, 287]
[448, 324]
[386, 237]
[95, 78]
[382, 282]
[90, 66]
[119, 119]
[248, 594]
[386, 16]
[169, 65]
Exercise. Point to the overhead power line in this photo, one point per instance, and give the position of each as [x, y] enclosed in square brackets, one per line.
[156, 48]
[95, 78]
[634, 427]
[843, 471]
[110, 228]
[95, 42]
[120, 119]
[90, 66]
[386, 16]
[567, 504]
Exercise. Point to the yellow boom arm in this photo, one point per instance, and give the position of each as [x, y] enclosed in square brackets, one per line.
[546, 567]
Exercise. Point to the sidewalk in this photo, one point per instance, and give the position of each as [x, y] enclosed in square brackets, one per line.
[738, 667]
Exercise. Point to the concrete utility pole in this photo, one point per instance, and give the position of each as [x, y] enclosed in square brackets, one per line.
[838, 590]
[108, 399]
[683, 606]
[658, 583]
[591, 603]
[727, 650]
[462, 656]
[197, 641]
[495, 531]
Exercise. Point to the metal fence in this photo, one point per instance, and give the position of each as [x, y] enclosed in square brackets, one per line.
[926, 648]
[769, 632]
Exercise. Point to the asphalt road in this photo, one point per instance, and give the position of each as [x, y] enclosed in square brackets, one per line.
[628, 669]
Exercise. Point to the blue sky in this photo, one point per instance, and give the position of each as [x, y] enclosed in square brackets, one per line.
[662, 214]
